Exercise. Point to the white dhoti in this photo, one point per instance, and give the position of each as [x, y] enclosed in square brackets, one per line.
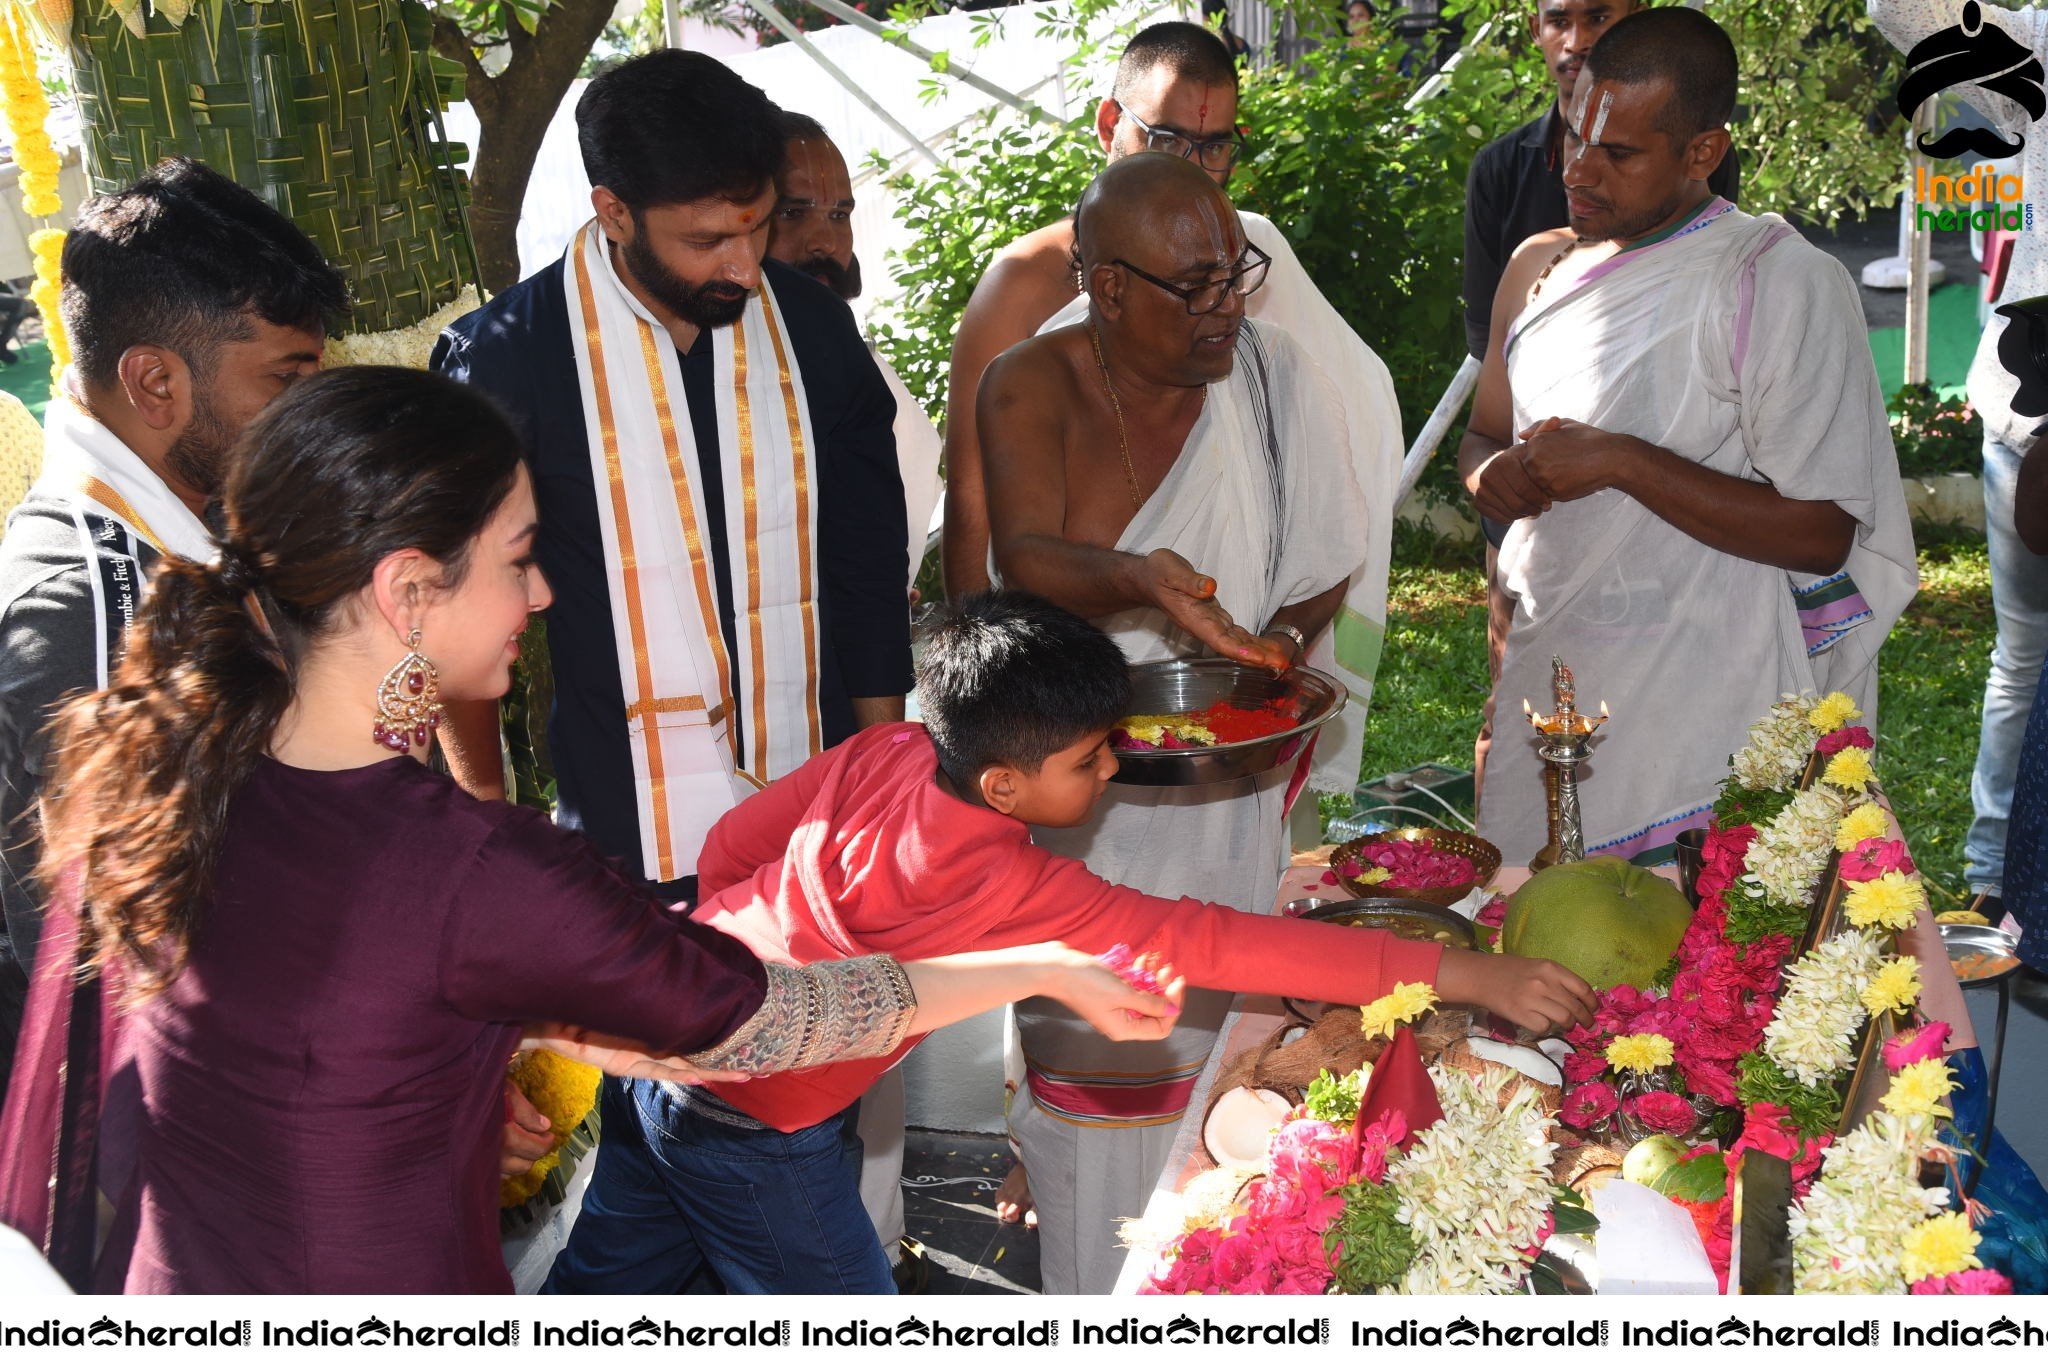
[1737, 345]
[1273, 512]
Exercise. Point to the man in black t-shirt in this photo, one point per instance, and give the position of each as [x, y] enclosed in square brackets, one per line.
[191, 304]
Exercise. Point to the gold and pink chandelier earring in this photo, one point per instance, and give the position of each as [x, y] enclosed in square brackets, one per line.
[408, 701]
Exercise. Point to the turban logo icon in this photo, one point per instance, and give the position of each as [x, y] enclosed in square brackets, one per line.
[1979, 54]
[2023, 350]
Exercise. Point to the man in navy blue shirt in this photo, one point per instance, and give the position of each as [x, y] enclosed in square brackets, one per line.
[683, 156]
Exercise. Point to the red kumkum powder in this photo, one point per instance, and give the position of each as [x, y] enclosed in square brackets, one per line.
[1231, 722]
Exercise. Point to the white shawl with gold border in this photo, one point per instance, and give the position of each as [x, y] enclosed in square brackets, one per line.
[683, 688]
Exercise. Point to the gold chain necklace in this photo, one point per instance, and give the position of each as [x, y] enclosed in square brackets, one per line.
[1123, 440]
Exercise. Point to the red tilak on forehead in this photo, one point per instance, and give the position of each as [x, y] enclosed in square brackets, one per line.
[1202, 117]
[746, 216]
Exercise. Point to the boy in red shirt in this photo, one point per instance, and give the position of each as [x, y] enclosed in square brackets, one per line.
[914, 840]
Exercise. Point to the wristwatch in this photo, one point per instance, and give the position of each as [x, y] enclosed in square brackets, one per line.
[1293, 634]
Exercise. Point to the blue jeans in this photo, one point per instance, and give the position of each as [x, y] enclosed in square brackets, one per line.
[677, 1191]
[2019, 597]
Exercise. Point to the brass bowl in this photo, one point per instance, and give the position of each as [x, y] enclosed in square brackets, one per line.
[1485, 864]
[1409, 919]
[1175, 686]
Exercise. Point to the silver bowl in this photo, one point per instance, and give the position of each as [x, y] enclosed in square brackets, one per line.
[1963, 941]
[1171, 686]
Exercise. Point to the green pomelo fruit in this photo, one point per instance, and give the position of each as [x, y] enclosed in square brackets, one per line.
[1606, 920]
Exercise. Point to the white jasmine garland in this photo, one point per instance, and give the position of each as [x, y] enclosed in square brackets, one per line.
[1776, 752]
[1811, 1036]
[1849, 1234]
[409, 346]
[1788, 856]
[1475, 1187]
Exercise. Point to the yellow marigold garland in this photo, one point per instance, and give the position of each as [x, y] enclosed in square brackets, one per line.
[1866, 822]
[27, 112]
[47, 291]
[1833, 712]
[560, 1089]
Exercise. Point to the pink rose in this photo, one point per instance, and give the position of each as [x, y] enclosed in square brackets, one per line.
[1589, 1106]
[1917, 1045]
[1716, 1084]
[1667, 1112]
[1583, 1066]
[1978, 1281]
[1494, 913]
[1873, 858]
[1856, 737]
[1298, 1248]
[1277, 1202]
[1765, 1126]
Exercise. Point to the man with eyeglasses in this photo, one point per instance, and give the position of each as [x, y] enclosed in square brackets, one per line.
[1162, 432]
[1176, 92]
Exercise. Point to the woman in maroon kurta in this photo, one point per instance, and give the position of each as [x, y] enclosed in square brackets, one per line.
[330, 951]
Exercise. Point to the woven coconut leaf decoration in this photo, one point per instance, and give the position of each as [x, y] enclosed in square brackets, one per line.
[328, 109]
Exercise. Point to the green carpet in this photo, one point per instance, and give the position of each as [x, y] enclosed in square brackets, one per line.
[28, 379]
[1952, 332]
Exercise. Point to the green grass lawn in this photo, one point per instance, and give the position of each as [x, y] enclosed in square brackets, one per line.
[1432, 684]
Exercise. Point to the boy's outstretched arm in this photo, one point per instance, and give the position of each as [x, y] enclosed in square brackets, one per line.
[1217, 947]
[1535, 994]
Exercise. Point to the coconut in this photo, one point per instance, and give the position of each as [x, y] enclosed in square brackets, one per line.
[1240, 1123]
[1333, 1042]
[1513, 1066]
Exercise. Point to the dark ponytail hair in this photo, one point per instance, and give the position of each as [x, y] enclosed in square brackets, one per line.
[343, 470]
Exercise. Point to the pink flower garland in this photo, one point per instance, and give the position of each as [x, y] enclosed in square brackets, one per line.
[1276, 1246]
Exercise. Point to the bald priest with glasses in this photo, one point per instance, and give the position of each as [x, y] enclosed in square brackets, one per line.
[1181, 475]
[1175, 91]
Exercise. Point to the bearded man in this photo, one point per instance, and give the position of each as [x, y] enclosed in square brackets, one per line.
[1677, 410]
[720, 513]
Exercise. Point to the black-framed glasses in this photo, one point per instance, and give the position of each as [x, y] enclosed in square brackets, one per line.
[1212, 154]
[1208, 296]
